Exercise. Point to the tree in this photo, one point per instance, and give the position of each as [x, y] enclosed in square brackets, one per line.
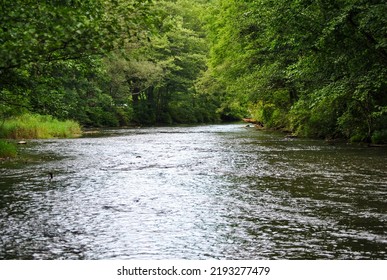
[36, 37]
[161, 72]
[45, 31]
[315, 67]
[104, 62]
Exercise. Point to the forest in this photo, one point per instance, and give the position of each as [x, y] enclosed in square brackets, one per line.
[312, 68]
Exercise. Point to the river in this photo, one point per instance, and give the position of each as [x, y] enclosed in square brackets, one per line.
[202, 192]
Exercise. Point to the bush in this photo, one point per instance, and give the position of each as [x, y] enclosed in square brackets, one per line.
[379, 137]
[7, 149]
[268, 114]
[318, 115]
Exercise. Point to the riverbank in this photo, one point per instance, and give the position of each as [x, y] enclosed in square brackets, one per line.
[378, 139]
[7, 150]
[33, 126]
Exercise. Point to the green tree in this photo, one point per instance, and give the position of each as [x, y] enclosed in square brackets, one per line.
[316, 67]
[44, 42]
[45, 31]
[161, 73]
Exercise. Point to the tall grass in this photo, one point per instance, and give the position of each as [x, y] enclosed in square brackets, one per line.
[30, 126]
[7, 150]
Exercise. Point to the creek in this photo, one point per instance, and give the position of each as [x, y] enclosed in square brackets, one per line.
[194, 192]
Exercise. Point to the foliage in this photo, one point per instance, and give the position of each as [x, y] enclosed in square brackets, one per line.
[7, 150]
[159, 75]
[49, 55]
[104, 62]
[45, 31]
[316, 67]
[37, 126]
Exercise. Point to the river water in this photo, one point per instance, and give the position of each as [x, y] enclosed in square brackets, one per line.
[204, 192]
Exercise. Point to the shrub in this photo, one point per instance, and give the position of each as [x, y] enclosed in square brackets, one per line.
[379, 137]
[7, 149]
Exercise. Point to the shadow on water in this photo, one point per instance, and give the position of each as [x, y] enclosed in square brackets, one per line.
[203, 192]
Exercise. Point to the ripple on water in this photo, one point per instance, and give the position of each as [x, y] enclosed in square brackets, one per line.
[207, 192]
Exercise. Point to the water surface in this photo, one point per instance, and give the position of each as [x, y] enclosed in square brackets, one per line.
[205, 192]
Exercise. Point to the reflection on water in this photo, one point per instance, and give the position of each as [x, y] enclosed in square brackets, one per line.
[207, 192]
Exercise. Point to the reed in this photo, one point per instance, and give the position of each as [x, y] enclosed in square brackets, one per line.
[31, 126]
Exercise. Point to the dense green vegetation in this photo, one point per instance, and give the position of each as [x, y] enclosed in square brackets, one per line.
[316, 68]
[102, 64]
[36, 126]
[7, 150]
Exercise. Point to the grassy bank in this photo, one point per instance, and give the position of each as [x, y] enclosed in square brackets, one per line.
[30, 126]
[7, 150]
